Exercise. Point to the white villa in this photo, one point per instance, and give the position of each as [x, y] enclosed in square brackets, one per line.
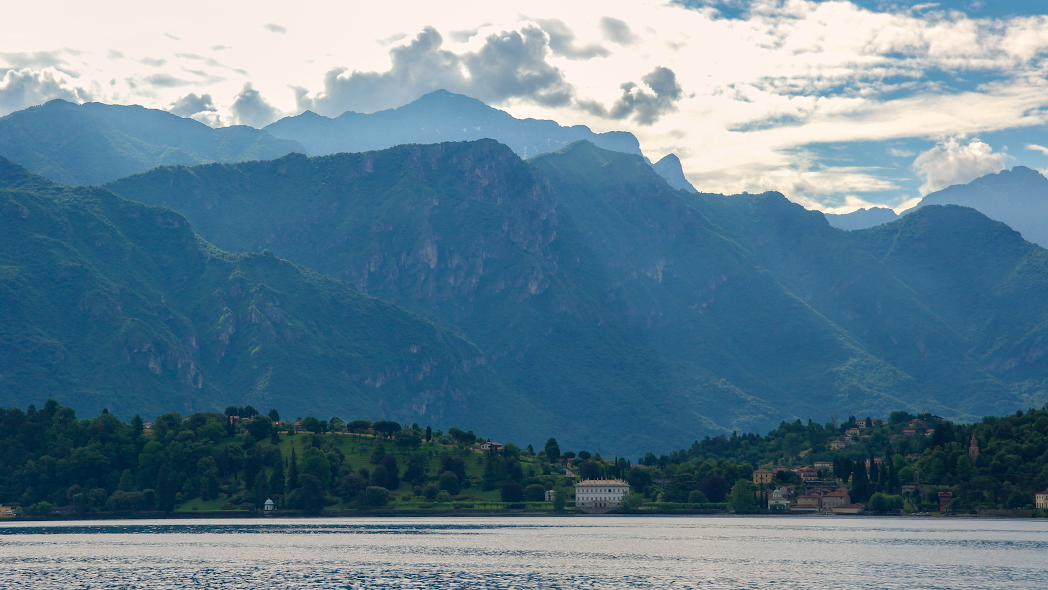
[600, 493]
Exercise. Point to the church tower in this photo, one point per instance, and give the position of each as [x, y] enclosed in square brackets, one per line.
[973, 450]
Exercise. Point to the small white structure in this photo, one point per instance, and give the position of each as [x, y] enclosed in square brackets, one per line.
[600, 493]
[268, 507]
[1042, 500]
[780, 498]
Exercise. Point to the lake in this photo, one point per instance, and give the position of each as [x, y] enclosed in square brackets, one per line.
[523, 553]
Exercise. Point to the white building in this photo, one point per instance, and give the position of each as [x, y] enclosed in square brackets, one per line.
[600, 493]
[1042, 500]
[780, 498]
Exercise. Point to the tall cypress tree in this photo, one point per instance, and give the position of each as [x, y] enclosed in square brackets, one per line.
[860, 483]
[292, 472]
[276, 481]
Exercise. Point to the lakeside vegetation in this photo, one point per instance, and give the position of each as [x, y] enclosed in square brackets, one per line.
[210, 462]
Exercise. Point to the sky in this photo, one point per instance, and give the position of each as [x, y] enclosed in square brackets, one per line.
[838, 105]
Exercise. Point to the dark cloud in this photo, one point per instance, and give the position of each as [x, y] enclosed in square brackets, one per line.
[274, 28]
[156, 63]
[637, 102]
[165, 81]
[250, 108]
[20, 89]
[192, 104]
[617, 31]
[510, 64]
[562, 41]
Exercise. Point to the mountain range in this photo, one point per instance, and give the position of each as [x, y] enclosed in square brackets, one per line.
[629, 312]
[112, 303]
[1017, 197]
[582, 292]
[94, 143]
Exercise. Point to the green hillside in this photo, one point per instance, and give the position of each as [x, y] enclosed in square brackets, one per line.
[111, 303]
[93, 143]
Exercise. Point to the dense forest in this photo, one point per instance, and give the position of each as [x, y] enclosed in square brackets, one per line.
[234, 461]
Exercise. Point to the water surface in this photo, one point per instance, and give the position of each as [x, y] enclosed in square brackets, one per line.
[525, 553]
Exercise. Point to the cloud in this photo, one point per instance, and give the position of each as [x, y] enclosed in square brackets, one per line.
[953, 162]
[509, 64]
[192, 104]
[274, 28]
[1037, 148]
[617, 31]
[249, 108]
[20, 89]
[154, 62]
[643, 106]
[562, 42]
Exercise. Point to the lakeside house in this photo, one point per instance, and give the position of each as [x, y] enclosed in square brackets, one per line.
[6, 511]
[600, 493]
[491, 446]
[1042, 500]
[836, 498]
[807, 474]
[807, 503]
[836, 445]
[763, 476]
[827, 465]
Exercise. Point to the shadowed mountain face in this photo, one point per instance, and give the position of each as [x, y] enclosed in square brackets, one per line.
[94, 143]
[111, 303]
[630, 314]
[1018, 197]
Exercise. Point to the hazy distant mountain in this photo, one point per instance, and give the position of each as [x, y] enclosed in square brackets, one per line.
[669, 168]
[438, 117]
[1018, 197]
[94, 143]
[111, 303]
[630, 314]
[441, 116]
[862, 218]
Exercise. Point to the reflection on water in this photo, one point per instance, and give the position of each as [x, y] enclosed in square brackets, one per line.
[524, 553]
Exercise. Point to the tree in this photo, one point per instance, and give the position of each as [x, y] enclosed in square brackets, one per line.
[292, 473]
[418, 465]
[377, 454]
[449, 482]
[453, 464]
[392, 472]
[534, 493]
[860, 484]
[315, 463]
[276, 481]
[443, 497]
[697, 497]
[274, 415]
[512, 492]
[560, 499]
[259, 427]
[310, 494]
[350, 487]
[386, 427]
[311, 424]
[589, 470]
[376, 496]
[429, 433]
[742, 501]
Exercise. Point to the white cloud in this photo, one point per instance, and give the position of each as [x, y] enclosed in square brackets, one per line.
[954, 162]
[27, 87]
[250, 108]
[754, 92]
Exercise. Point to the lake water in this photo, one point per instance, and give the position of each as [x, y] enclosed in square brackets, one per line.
[523, 553]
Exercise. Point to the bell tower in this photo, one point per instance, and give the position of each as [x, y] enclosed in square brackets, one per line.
[973, 450]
